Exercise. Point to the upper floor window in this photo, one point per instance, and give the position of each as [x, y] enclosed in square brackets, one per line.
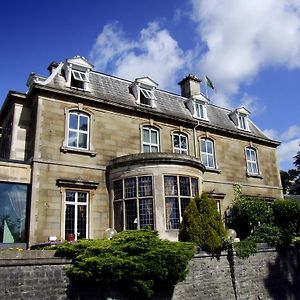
[242, 122]
[147, 97]
[143, 90]
[79, 79]
[150, 139]
[208, 153]
[252, 165]
[78, 130]
[200, 110]
[180, 143]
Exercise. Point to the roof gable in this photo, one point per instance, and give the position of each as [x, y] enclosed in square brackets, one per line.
[80, 61]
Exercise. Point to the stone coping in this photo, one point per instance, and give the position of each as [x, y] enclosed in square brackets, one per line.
[156, 158]
[30, 257]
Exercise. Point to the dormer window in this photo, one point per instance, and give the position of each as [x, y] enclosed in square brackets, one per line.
[147, 97]
[240, 118]
[77, 71]
[78, 79]
[197, 105]
[143, 90]
[200, 110]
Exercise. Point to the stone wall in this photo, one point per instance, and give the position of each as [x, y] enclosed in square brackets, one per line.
[267, 275]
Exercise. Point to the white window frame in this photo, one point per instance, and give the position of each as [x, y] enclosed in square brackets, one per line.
[243, 122]
[208, 154]
[78, 130]
[76, 203]
[80, 76]
[250, 161]
[180, 149]
[200, 110]
[149, 95]
[150, 144]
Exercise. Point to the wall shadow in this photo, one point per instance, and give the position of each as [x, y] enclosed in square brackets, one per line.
[283, 281]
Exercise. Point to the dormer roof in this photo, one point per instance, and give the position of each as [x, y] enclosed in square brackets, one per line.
[242, 110]
[80, 61]
[147, 81]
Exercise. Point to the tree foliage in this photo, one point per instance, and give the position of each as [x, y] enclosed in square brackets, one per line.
[137, 262]
[202, 224]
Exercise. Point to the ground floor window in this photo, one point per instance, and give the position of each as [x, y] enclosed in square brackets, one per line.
[13, 203]
[178, 193]
[76, 215]
[133, 203]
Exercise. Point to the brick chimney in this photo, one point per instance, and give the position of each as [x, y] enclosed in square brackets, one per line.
[190, 86]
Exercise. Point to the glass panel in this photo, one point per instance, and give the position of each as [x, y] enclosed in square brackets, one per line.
[203, 146]
[184, 202]
[146, 148]
[131, 214]
[82, 196]
[13, 201]
[252, 154]
[130, 187]
[176, 141]
[204, 159]
[82, 140]
[145, 186]
[209, 147]
[146, 212]
[170, 184]
[81, 221]
[211, 161]
[83, 124]
[183, 142]
[153, 137]
[146, 135]
[248, 155]
[195, 189]
[70, 196]
[73, 121]
[118, 215]
[184, 183]
[118, 189]
[172, 213]
[70, 222]
[154, 149]
[72, 140]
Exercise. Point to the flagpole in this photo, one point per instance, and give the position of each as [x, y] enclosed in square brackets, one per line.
[206, 87]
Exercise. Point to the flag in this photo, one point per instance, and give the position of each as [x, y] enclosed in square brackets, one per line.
[209, 83]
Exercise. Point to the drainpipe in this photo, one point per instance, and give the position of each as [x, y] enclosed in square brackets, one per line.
[195, 139]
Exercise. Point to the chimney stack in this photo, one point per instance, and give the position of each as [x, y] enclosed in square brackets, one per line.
[52, 67]
[190, 86]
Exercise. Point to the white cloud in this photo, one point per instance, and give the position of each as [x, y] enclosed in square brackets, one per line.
[286, 151]
[242, 37]
[293, 132]
[253, 104]
[155, 54]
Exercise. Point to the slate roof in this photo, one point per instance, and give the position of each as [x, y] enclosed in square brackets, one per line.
[116, 90]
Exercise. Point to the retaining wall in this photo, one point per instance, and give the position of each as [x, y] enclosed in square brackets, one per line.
[267, 275]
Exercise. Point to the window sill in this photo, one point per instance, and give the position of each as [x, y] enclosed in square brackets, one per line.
[212, 170]
[65, 149]
[254, 175]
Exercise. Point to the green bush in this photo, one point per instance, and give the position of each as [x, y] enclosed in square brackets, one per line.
[137, 262]
[245, 248]
[287, 218]
[248, 213]
[204, 225]
[266, 233]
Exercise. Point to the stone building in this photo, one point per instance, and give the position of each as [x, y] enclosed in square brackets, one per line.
[82, 151]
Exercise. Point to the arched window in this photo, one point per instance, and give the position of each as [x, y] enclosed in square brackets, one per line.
[180, 143]
[252, 165]
[150, 139]
[208, 153]
[78, 130]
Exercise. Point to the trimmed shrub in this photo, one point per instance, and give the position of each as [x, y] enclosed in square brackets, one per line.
[203, 226]
[245, 248]
[266, 233]
[137, 262]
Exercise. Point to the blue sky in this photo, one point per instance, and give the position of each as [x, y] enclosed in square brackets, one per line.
[249, 49]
